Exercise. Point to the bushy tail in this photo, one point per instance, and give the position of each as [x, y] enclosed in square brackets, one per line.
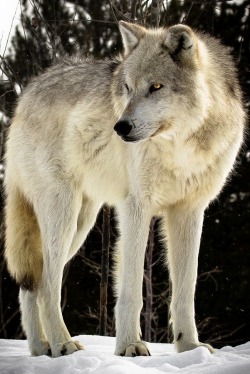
[23, 249]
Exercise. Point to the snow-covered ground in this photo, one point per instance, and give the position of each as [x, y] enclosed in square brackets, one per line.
[98, 358]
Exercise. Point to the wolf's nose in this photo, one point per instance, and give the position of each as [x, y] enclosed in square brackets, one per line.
[123, 127]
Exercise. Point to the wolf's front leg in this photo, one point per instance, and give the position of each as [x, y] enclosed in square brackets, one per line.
[134, 226]
[184, 226]
[57, 216]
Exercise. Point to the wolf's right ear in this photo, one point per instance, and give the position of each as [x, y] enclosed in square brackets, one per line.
[181, 43]
[131, 35]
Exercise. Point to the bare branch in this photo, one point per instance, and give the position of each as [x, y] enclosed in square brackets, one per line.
[133, 9]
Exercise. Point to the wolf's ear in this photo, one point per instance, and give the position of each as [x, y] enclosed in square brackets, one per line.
[131, 35]
[181, 43]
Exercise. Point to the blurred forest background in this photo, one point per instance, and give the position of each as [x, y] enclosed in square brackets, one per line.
[48, 30]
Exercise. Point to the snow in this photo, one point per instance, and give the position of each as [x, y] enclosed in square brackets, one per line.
[98, 358]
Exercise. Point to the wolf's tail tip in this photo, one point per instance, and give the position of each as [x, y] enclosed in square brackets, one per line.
[27, 283]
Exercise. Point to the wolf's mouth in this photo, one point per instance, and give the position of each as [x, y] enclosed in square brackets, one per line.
[129, 139]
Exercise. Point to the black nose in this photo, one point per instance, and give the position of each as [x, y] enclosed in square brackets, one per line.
[123, 127]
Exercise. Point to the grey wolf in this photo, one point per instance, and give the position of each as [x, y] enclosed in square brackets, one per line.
[154, 133]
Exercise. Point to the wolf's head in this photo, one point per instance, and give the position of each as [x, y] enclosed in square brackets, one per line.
[160, 81]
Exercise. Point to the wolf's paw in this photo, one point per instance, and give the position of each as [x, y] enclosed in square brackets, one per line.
[134, 349]
[208, 346]
[66, 348]
[187, 346]
[40, 348]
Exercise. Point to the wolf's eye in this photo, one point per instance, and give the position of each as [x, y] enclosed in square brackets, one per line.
[155, 87]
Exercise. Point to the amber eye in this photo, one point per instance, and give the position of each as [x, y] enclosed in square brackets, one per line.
[155, 87]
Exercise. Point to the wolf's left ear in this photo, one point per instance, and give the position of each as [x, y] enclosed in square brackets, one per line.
[181, 43]
[131, 35]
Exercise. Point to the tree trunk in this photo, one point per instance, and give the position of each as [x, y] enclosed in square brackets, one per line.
[155, 12]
